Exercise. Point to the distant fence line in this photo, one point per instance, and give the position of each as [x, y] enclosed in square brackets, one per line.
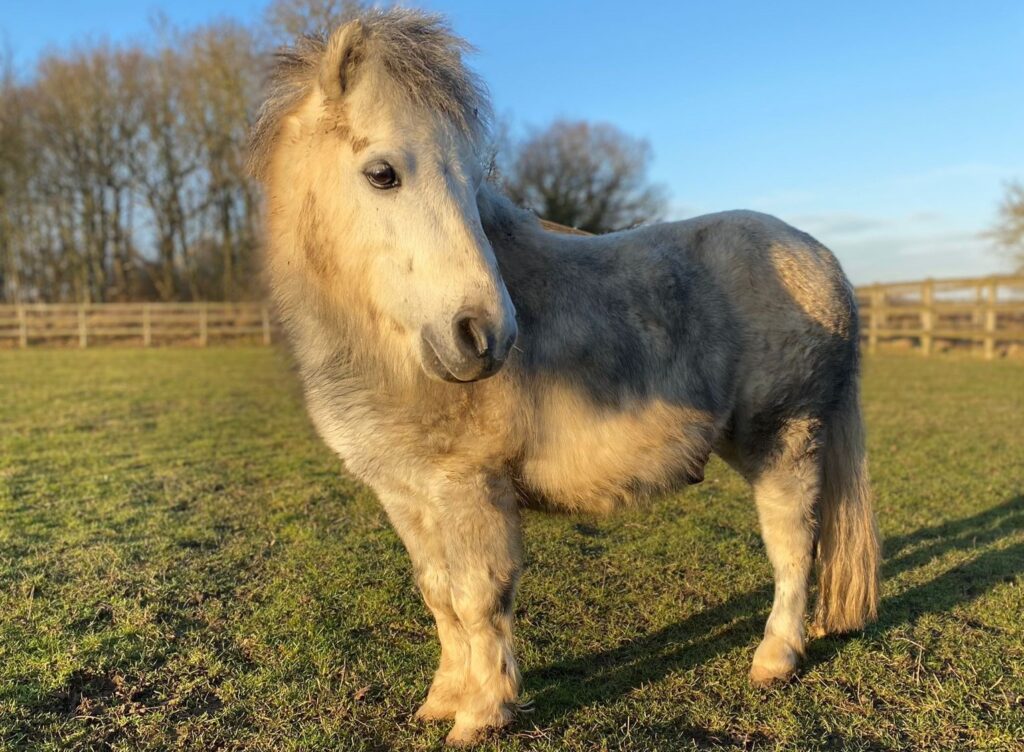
[986, 311]
[143, 324]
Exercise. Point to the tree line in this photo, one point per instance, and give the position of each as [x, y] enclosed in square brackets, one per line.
[122, 171]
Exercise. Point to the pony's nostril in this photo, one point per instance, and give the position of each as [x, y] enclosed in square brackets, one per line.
[473, 336]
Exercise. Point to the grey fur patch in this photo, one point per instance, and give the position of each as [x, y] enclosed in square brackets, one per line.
[665, 328]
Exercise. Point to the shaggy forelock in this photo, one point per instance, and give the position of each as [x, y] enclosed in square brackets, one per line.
[419, 53]
[291, 80]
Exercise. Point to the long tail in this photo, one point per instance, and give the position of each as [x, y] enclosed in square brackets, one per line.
[849, 554]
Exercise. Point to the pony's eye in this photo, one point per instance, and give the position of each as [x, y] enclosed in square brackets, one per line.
[381, 175]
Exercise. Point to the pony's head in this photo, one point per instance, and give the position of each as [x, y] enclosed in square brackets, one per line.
[371, 144]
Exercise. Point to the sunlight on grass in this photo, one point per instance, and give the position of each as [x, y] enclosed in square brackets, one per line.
[184, 565]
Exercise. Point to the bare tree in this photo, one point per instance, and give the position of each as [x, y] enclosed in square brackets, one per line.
[14, 171]
[222, 62]
[589, 176]
[165, 172]
[288, 19]
[1008, 232]
[85, 126]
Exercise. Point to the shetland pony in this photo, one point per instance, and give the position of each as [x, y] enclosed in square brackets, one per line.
[464, 362]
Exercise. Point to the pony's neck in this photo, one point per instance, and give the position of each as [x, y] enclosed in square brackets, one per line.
[527, 255]
[499, 216]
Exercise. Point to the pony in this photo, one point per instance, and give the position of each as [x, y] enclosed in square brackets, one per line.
[464, 362]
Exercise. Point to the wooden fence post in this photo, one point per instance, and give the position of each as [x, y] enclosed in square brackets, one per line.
[978, 314]
[265, 313]
[22, 327]
[990, 320]
[83, 334]
[877, 305]
[927, 315]
[202, 325]
[147, 326]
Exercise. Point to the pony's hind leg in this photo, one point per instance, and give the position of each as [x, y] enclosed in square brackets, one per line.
[786, 493]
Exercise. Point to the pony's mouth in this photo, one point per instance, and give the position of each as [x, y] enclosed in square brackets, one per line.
[437, 367]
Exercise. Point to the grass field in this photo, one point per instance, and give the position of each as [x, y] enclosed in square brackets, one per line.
[183, 565]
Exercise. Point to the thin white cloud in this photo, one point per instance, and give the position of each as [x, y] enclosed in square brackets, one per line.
[945, 173]
[906, 251]
[911, 246]
[839, 224]
[872, 247]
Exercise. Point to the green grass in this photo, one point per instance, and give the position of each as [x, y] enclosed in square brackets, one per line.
[184, 566]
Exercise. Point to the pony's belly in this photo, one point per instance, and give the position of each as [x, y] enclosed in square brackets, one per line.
[590, 458]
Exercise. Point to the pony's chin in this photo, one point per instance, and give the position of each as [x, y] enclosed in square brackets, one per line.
[436, 368]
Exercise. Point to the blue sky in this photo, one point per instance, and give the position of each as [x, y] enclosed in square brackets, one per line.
[887, 129]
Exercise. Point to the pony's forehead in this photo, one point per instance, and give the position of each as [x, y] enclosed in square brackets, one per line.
[376, 110]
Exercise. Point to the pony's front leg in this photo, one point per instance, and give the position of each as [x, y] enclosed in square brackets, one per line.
[449, 684]
[415, 520]
[482, 540]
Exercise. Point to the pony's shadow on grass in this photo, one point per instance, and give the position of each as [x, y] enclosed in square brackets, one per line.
[605, 676]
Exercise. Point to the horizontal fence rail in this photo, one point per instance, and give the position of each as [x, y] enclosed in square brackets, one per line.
[143, 324]
[987, 313]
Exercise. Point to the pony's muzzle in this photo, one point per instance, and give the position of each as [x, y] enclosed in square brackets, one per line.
[483, 344]
[480, 348]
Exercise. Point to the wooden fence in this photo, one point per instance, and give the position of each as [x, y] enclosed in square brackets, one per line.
[143, 324]
[986, 313]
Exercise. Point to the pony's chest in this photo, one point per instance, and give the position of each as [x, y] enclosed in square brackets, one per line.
[352, 437]
[386, 444]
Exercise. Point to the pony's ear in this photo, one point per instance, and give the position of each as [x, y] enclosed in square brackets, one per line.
[341, 61]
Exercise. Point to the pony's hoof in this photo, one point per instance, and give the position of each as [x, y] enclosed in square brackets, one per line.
[774, 660]
[434, 709]
[471, 729]
[443, 699]
[465, 736]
